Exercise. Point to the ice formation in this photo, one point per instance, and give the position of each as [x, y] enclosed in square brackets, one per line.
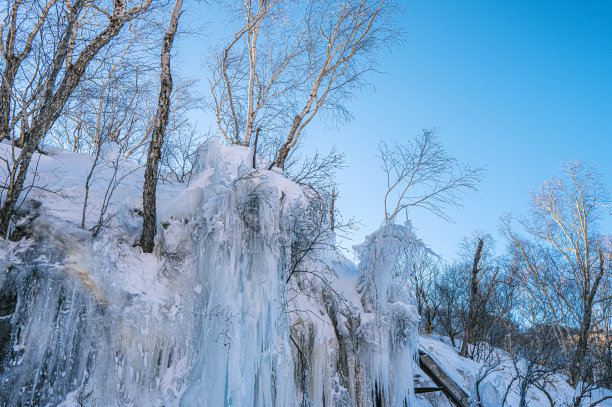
[391, 335]
[212, 318]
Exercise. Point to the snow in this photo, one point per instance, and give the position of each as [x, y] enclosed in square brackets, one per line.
[109, 151]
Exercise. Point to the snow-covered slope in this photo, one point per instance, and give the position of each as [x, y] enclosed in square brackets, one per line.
[498, 382]
[211, 318]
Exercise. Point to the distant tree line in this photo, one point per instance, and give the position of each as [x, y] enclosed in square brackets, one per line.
[547, 301]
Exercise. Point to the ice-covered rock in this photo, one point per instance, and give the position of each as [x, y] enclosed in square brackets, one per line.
[240, 256]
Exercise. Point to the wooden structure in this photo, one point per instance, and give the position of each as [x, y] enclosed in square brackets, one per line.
[448, 386]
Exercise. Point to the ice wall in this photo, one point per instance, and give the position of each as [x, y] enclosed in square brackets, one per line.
[200, 323]
[358, 327]
[78, 323]
[241, 252]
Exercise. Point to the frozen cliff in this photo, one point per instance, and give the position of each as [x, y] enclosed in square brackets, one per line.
[231, 310]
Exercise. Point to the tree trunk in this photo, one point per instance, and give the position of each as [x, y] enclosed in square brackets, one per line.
[469, 326]
[48, 113]
[281, 157]
[255, 148]
[14, 190]
[576, 369]
[8, 78]
[576, 372]
[147, 239]
[332, 210]
[295, 129]
[12, 61]
[252, 74]
[428, 323]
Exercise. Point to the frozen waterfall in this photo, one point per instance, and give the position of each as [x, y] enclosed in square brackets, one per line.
[210, 319]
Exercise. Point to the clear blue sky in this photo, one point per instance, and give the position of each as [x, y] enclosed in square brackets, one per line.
[516, 86]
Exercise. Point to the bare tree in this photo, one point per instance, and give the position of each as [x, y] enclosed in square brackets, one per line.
[147, 239]
[119, 173]
[316, 174]
[182, 137]
[533, 358]
[107, 161]
[108, 104]
[422, 174]
[473, 295]
[426, 267]
[289, 61]
[491, 363]
[340, 44]
[565, 261]
[473, 298]
[117, 97]
[451, 299]
[312, 232]
[252, 75]
[88, 182]
[72, 45]
[179, 154]
[16, 31]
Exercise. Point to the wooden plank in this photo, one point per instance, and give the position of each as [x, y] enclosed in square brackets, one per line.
[422, 390]
[451, 389]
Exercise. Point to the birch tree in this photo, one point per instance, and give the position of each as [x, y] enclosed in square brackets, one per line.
[421, 174]
[253, 74]
[147, 238]
[109, 104]
[564, 260]
[340, 44]
[71, 34]
[289, 61]
[482, 287]
[17, 33]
